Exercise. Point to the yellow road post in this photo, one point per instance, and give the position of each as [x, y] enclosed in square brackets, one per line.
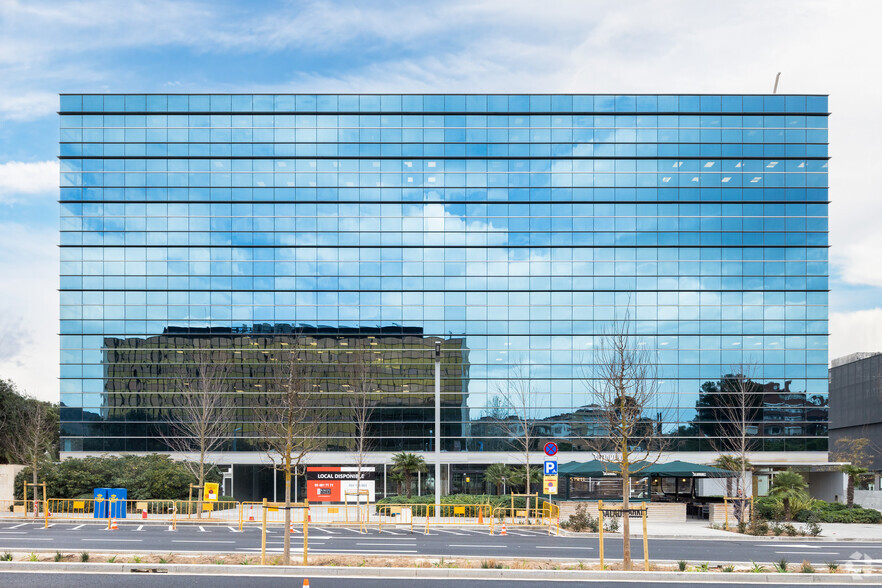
[263, 535]
[600, 529]
[306, 533]
[645, 541]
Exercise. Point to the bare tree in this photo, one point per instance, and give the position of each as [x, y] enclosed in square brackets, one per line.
[624, 385]
[521, 401]
[33, 425]
[290, 421]
[361, 388]
[198, 426]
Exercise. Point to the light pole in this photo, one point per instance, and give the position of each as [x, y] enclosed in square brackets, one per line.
[437, 427]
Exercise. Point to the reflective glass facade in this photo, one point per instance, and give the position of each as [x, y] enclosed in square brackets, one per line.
[513, 229]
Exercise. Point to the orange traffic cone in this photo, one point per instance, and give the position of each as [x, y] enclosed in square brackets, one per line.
[292, 526]
[503, 530]
[113, 526]
[251, 513]
[481, 516]
[308, 517]
[305, 582]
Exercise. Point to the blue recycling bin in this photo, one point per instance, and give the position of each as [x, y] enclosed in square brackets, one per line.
[100, 496]
[117, 498]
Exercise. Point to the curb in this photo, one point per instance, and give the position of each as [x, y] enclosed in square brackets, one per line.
[727, 537]
[428, 573]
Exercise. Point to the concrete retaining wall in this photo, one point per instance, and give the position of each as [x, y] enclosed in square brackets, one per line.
[668, 512]
[7, 480]
[868, 498]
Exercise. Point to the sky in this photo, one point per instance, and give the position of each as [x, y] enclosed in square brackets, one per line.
[475, 46]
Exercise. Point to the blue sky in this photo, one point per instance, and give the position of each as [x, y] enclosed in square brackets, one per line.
[460, 46]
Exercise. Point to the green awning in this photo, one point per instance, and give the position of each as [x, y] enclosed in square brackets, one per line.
[684, 469]
[674, 469]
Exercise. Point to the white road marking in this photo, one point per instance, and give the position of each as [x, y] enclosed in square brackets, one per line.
[808, 552]
[350, 530]
[19, 525]
[194, 541]
[794, 546]
[139, 527]
[28, 538]
[560, 547]
[377, 543]
[322, 549]
[115, 540]
[78, 527]
[451, 532]
[473, 545]
[14, 532]
[233, 530]
[323, 530]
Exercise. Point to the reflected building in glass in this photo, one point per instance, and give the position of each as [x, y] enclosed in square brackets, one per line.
[513, 229]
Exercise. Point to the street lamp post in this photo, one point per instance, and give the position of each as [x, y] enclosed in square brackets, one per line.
[437, 427]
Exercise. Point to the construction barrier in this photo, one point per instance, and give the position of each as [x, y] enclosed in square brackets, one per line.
[459, 515]
[546, 515]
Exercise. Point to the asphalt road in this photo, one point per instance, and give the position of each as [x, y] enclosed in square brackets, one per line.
[104, 580]
[447, 542]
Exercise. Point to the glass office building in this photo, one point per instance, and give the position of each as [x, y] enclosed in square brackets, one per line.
[512, 229]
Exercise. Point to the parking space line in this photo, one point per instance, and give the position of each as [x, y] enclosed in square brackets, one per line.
[19, 525]
[233, 530]
[202, 529]
[196, 541]
[78, 527]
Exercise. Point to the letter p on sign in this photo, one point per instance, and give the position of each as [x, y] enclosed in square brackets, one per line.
[550, 468]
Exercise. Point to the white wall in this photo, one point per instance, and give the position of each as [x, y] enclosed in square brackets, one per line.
[7, 480]
[829, 486]
[717, 486]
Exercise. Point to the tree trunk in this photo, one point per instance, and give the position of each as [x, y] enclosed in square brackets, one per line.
[407, 484]
[286, 557]
[849, 492]
[201, 484]
[626, 521]
[36, 501]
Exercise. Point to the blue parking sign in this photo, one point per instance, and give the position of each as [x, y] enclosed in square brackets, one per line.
[550, 468]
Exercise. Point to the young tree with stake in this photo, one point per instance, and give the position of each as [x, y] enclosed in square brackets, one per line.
[624, 386]
[289, 424]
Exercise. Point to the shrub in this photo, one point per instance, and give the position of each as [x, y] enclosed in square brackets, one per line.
[728, 568]
[581, 520]
[813, 528]
[807, 567]
[760, 528]
[768, 508]
[834, 512]
[84, 556]
[790, 530]
[781, 566]
[6, 557]
[612, 525]
[681, 565]
[58, 556]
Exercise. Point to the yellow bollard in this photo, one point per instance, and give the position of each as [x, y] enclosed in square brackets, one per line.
[240, 516]
[600, 527]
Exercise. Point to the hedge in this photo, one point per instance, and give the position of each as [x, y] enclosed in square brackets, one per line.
[771, 509]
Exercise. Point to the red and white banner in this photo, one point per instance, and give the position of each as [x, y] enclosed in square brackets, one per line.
[330, 484]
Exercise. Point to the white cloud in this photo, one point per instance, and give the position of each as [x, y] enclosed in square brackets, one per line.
[18, 179]
[851, 332]
[29, 309]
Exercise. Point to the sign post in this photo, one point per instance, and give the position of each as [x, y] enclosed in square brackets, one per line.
[549, 482]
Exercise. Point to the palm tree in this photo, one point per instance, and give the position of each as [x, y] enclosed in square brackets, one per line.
[518, 477]
[398, 479]
[408, 464]
[497, 474]
[854, 473]
[789, 486]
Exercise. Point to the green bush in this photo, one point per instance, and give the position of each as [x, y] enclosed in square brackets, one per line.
[834, 512]
[768, 508]
[145, 477]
